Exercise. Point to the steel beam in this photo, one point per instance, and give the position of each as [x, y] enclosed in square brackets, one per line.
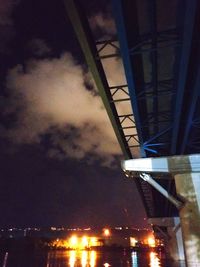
[190, 117]
[83, 33]
[190, 8]
[147, 177]
[119, 19]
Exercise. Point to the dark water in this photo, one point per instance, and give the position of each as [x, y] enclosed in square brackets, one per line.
[83, 259]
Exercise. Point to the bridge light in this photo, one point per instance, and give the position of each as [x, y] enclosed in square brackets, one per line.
[73, 241]
[106, 232]
[151, 242]
[85, 241]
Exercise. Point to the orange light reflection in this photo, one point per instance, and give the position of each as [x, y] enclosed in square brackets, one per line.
[84, 258]
[93, 258]
[72, 258]
[154, 260]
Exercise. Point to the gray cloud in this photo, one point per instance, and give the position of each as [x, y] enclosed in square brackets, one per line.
[6, 8]
[103, 22]
[39, 47]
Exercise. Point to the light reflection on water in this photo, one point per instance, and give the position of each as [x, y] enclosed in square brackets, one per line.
[154, 260]
[134, 259]
[72, 258]
[96, 259]
[83, 258]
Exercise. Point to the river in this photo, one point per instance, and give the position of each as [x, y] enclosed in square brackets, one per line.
[84, 259]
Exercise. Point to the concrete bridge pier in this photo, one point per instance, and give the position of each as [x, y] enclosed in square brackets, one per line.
[188, 187]
[186, 172]
[172, 237]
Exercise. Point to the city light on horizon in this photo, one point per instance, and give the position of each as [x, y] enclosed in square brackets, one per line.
[79, 242]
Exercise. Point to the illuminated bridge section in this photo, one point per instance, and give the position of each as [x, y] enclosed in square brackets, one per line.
[160, 49]
[155, 110]
[116, 97]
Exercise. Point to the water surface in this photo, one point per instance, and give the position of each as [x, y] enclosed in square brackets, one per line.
[84, 259]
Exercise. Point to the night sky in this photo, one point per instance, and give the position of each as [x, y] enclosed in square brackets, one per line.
[60, 161]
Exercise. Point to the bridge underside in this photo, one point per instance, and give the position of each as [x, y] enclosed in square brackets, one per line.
[158, 44]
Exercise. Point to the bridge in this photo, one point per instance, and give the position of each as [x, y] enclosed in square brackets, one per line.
[158, 43]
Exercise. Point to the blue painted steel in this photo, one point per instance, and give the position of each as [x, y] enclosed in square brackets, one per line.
[147, 143]
[183, 67]
[125, 53]
[157, 135]
[147, 147]
[156, 144]
[154, 61]
[151, 150]
[190, 117]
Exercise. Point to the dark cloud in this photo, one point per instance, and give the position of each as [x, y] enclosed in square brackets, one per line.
[7, 31]
[38, 47]
[39, 191]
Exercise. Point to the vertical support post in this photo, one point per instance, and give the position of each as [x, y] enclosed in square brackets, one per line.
[172, 237]
[175, 241]
[188, 187]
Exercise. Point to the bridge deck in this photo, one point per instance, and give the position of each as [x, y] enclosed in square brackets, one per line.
[158, 42]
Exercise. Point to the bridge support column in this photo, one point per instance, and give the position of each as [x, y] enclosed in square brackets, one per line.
[186, 172]
[172, 236]
[175, 241]
[188, 187]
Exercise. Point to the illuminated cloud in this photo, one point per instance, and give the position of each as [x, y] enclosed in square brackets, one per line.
[50, 98]
[53, 101]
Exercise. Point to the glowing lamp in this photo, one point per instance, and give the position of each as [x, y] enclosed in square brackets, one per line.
[93, 241]
[151, 242]
[85, 241]
[133, 241]
[106, 232]
[73, 241]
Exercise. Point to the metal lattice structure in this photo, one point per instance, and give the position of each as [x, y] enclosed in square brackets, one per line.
[158, 42]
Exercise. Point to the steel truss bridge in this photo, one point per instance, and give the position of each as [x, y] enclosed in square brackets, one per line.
[159, 45]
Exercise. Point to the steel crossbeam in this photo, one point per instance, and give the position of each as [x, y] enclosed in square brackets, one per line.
[103, 45]
[145, 45]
